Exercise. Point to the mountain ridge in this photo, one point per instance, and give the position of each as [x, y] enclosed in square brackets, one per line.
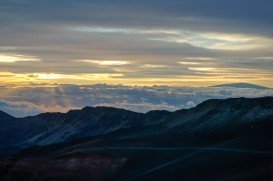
[49, 128]
[218, 139]
[117, 108]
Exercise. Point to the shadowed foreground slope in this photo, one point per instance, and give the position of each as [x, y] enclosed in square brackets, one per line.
[216, 140]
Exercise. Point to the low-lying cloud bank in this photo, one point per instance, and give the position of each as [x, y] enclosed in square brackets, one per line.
[31, 100]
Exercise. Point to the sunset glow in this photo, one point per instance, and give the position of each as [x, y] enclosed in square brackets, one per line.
[170, 46]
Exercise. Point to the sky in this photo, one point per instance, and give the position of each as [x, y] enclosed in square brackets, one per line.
[143, 42]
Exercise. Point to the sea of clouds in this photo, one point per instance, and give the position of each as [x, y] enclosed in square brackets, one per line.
[23, 101]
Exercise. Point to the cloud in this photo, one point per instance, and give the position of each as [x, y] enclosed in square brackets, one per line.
[106, 62]
[19, 109]
[220, 41]
[33, 99]
[190, 104]
[17, 58]
[145, 40]
[113, 30]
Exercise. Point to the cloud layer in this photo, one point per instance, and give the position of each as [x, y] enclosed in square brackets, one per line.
[33, 99]
[136, 42]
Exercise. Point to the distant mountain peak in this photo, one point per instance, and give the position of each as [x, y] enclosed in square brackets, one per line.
[241, 85]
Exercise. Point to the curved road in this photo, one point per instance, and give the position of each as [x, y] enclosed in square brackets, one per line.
[198, 149]
[183, 149]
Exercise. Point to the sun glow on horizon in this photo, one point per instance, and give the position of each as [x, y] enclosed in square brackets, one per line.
[210, 77]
